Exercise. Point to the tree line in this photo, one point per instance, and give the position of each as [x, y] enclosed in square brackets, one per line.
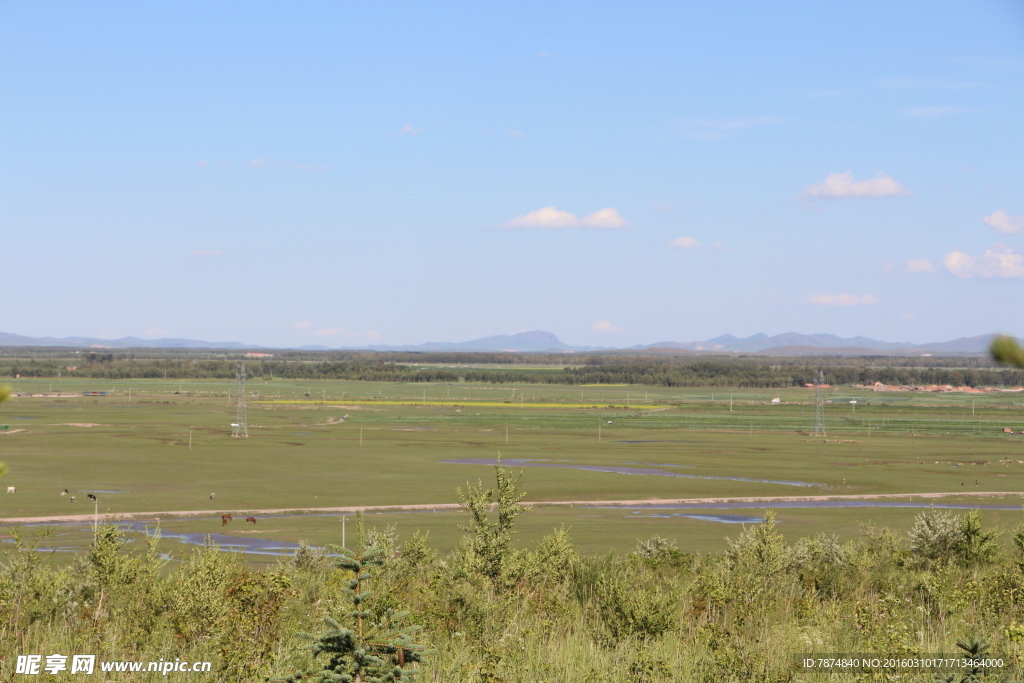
[675, 372]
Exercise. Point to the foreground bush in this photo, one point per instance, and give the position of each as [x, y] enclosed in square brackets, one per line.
[496, 611]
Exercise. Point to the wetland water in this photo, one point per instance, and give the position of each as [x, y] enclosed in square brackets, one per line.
[640, 471]
[254, 546]
[262, 546]
[725, 519]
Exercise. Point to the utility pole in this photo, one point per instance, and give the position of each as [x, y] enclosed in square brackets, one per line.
[819, 405]
[240, 428]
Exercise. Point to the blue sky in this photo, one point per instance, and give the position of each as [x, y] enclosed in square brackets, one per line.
[616, 173]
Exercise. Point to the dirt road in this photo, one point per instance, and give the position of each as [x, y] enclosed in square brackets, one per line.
[126, 516]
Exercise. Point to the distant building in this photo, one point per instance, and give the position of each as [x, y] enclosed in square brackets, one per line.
[258, 354]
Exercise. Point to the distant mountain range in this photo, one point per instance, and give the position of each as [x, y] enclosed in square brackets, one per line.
[7, 339]
[788, 344]
[794, 343]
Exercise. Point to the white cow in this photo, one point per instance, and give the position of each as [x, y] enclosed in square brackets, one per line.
[11, 489]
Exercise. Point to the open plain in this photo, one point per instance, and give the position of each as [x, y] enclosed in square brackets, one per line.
[153, 451]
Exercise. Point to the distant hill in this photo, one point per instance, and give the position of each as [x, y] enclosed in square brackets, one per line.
[814, 344]
[7, 339]
[536, 341]
[523, 342]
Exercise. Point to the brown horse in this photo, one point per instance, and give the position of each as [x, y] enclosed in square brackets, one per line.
[250, 519]
[224, 519]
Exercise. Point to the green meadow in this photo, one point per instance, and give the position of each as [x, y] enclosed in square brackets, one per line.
[150, 446]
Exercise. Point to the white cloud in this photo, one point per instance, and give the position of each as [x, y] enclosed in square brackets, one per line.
[907, 316]
[207, 252]
[154, 331]
[997, 262]
[663, 207]
[719, 129]
[605, 326]
[932, 112]
[843, 300]
[1004, 222]
[202, 163]
[515, 134]
[841, 185]
[605, 218]
[257, 163]
[550, 217]
[305, 325]
[921, 265]
[408, 130]
[684, 243]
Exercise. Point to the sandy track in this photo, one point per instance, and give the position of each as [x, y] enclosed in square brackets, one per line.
[124, 516]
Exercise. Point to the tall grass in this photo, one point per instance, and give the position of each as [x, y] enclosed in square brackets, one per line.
[548, 615]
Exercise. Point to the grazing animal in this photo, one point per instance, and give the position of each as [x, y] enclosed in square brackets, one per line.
[64, 492]
[212, 495]
[224, 519]
[91, 497]
[11, 489]
[250, 519]
[72, 499]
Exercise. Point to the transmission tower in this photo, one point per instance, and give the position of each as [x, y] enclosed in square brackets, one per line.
[239, 427]
[819, 405]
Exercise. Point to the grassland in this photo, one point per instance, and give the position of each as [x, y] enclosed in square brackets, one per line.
[166, 445]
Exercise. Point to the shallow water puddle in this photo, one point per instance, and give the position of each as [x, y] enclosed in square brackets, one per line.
[641, 471]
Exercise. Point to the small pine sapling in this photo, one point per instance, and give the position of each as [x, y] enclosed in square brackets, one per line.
[491, 542]
[368, 650]
[973, 650]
